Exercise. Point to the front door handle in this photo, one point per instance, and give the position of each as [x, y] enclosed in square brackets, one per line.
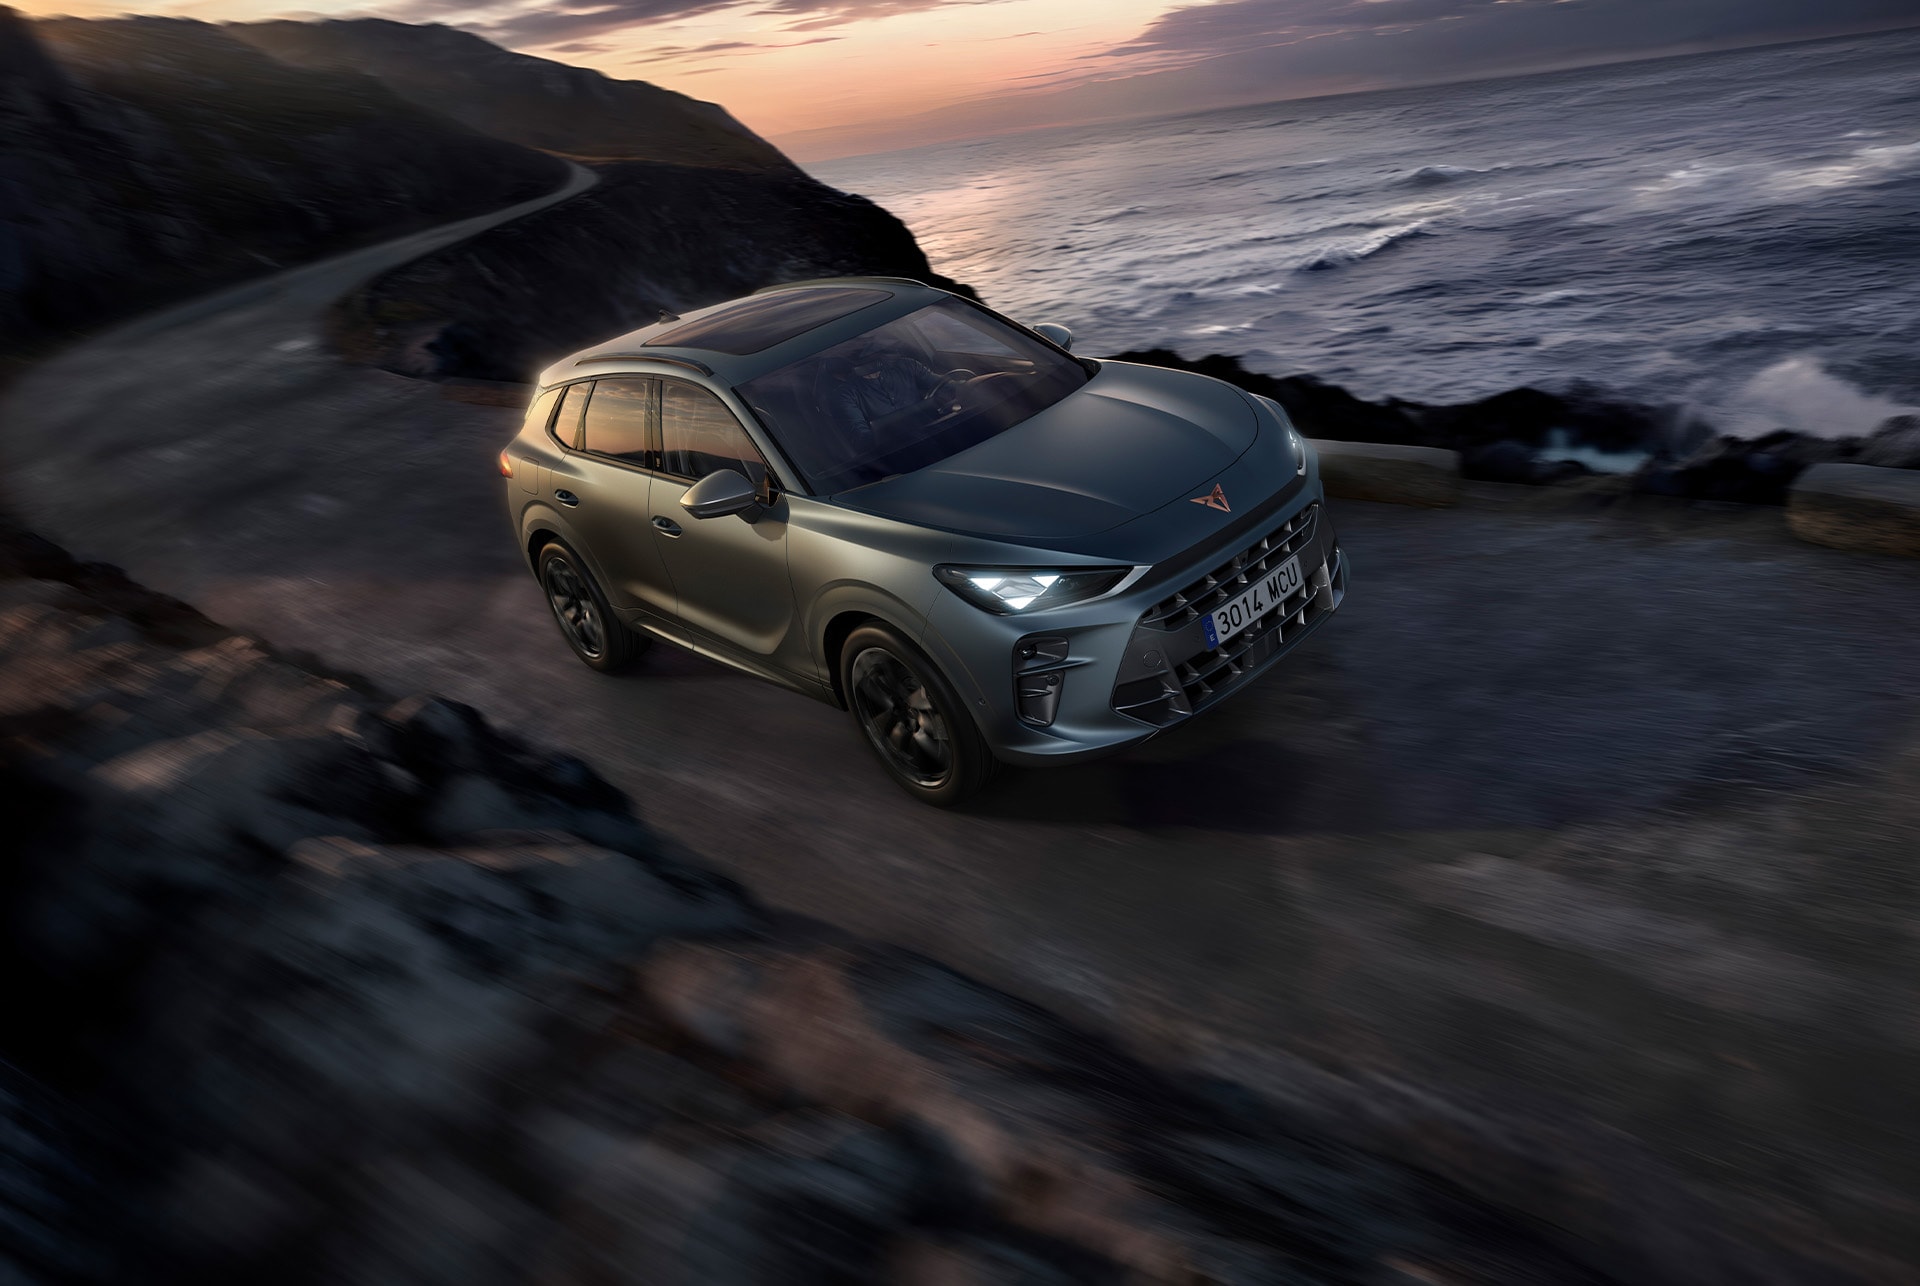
[566, 497]
[666, 526]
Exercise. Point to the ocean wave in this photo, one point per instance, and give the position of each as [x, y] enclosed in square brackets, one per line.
[1340, 254]
[1551, 297]
[1432, 176]
[1799, 393]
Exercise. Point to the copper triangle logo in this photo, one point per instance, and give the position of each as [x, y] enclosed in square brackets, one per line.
[1216, 500]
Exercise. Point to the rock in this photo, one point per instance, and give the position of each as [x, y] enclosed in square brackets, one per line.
[1858, 507]
[201, 792]
[434, 737]
[1398, 475]
[1894, 445]
[46, 1194]
[1503, 461]
[1756, 471]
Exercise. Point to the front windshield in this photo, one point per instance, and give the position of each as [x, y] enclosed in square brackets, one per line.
[908, 394]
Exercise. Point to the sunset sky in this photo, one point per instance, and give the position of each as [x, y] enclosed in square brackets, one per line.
[827, 77]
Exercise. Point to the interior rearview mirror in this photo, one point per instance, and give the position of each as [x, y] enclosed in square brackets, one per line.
[723, 492]
[1056, 332]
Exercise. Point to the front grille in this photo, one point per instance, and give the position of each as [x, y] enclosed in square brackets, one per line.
[1169, 671]
[1205, 675]
[1235, 575]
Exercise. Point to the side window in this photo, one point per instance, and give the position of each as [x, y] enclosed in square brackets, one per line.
[540, 414]
[700, 436]
[566, 425]
[620, 420]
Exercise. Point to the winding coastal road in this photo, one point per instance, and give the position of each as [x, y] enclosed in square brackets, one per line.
[1595, 829]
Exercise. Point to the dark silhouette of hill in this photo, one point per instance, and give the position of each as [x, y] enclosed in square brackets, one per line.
[532, 101]
[650, 237]
[148, 158]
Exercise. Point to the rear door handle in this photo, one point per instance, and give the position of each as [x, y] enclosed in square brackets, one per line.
[666, 526]
[566, 497]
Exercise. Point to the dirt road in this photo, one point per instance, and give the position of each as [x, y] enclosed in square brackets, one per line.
[1594, 830]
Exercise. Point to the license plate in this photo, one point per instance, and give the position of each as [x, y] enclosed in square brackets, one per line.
[1268, 592]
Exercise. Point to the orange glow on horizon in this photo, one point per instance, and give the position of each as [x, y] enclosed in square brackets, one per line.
[786, 77]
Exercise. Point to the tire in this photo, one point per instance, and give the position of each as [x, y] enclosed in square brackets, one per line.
[912, 719]
[595, 634]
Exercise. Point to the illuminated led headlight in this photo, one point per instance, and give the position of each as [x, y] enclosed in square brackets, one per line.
[1006, 590]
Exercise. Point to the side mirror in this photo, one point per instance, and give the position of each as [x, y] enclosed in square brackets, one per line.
[723, 492]
[1056, 332]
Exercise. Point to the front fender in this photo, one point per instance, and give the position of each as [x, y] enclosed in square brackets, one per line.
[844, 598]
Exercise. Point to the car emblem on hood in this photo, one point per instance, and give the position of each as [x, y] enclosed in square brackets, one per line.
[1217, 499]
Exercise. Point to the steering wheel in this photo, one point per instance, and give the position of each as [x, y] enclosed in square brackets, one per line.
[947, 391]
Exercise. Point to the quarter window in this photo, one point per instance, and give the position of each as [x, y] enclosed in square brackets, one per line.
[620, 420]
[541, 412]
[700, 436]
[566, 425]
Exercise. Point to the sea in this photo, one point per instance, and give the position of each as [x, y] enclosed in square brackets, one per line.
[1735, 235]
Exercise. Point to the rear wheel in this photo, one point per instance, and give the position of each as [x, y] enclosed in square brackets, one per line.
[590, 628]
[914, 721]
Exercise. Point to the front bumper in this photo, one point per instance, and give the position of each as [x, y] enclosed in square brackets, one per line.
[1124, 668]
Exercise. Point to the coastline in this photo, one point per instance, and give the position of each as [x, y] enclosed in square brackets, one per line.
[1537, 437]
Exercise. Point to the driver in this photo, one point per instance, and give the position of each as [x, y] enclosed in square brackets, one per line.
[877, 380]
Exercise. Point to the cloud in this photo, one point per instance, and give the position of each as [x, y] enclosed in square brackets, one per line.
[1483, 32]
[531, 24]
[1201, 56]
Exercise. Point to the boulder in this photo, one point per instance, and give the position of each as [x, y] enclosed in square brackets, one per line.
[1894, 445]
[1858, 507]
[1400, 475]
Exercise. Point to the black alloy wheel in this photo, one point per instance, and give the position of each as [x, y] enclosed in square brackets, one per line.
[912, 718]
[581, 612]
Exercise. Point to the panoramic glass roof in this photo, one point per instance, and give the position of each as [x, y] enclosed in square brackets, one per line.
[759, 323]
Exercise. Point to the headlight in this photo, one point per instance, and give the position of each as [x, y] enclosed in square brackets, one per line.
[1006, 590]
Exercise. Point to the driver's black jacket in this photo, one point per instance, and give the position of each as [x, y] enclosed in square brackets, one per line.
[891, 383]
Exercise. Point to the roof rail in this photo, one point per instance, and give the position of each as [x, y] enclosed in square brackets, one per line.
[687, 362]
[836, 281]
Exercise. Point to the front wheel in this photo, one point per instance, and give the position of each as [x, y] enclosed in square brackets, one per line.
[913, 719]
[590, 628]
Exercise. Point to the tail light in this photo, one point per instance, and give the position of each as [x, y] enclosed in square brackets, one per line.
[506, 466]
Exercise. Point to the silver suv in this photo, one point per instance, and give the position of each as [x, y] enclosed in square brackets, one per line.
[895, 500]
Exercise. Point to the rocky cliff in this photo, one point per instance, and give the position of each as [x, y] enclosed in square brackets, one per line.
[147, 158]
[649, 237]
[532, 101]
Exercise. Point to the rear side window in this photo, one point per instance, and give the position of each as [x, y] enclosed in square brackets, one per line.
[566, 425]
[540, 414]
[620, 420]
[700, 436]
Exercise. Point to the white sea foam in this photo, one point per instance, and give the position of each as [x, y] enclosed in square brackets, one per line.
[1351, 250]
[1552, 297]
[1799, 393]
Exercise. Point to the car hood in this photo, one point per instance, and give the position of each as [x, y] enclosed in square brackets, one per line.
[1128, 441]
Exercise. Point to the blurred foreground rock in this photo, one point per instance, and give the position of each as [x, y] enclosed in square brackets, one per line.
[339, 989]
